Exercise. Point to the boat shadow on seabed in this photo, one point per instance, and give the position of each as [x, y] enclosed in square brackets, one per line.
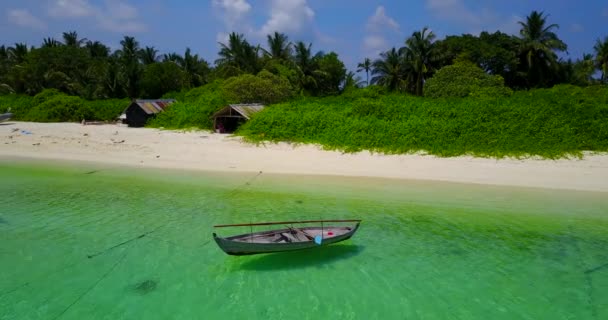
[317, 257]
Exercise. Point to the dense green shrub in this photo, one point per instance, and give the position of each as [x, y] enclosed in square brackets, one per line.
[464, 79]
[52, 106]
[194, 109]
[551, 123]
[265, 88]
[46, 95]
[60, 108]
[18, 104]
[160, 78]
[108, 109]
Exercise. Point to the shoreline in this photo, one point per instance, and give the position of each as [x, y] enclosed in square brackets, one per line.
[205, 151]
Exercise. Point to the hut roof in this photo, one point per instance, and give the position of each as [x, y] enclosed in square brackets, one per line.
[246, 110]
[153, 106]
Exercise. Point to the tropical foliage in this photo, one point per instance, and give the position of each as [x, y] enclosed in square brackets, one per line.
[316, 99]
[52, 105]
[556, 122]
[464, 79]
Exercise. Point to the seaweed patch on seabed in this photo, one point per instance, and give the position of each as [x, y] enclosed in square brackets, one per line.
[144, 287]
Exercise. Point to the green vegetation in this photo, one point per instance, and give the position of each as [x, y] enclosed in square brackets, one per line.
[265, 88]
[464, 79]
[490, 94]
[53, 106]
[193, 109]
[556, 122]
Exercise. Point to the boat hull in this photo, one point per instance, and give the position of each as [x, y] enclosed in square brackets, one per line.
[5, 116]
[238, 248]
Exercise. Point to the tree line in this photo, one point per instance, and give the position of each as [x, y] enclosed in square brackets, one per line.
[89, 69]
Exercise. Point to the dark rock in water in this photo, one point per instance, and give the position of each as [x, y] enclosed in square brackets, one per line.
[145, 286]
[3, 221]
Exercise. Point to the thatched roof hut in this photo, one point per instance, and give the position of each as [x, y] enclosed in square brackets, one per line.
[140, 111]
[229, 118]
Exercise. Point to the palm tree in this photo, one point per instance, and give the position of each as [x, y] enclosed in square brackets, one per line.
[305, 65]
[351, 80]
[303, 56]
[97, 49]
[538, 46]
[239, 53]
[420, 54]
[71, 39]
[50, 43]
[279, 46]
[18, 53]
[366, 66]
[148, 55]
[173, 57]
[195, 67]
[388, 71]
[3, 53]
[584, 69]
[4, 66]
[601, 57]
[129, 58]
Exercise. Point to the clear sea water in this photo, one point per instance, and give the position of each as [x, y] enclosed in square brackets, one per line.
[96, 242]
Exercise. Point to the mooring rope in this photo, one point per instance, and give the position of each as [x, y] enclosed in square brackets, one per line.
[247, 183]
[105, 275]
[587, 276]
[126, 242]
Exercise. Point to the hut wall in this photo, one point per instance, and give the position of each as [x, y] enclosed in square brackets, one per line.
[136, 117]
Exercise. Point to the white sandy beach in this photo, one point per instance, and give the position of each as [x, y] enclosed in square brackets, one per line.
[201, 150]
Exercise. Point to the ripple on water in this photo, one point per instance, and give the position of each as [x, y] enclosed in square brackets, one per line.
[423, 250]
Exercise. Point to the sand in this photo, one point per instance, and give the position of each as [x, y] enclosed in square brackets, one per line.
[202, 150]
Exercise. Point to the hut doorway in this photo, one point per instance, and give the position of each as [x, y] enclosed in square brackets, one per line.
[228, 124]
[232, 116]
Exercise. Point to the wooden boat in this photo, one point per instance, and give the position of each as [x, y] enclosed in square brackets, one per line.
[5, 116]
[285, 239]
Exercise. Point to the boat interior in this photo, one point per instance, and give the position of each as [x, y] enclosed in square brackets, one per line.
[291, 234]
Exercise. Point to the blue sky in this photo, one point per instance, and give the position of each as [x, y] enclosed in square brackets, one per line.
[353, 28]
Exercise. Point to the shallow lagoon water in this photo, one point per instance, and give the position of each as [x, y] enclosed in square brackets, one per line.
[100, 242]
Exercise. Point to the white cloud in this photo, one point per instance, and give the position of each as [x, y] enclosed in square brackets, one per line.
[235, 8]
[375, 43]
[121, 10]
[576, 28]
[379, 26]
[222, 37]
[288, 16]
[71, 9]
[119, 16]
[232, 11]
[380, 20]
[24, 18]
[113, 15]
[454, 10]
[292, 17]
[475, 21]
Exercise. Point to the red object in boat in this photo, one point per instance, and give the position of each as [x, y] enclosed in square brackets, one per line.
[330, 233]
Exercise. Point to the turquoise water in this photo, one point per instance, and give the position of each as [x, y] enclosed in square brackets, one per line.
[92, 242]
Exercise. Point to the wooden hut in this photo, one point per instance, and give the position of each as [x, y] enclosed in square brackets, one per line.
[140, 111]
[232, 116]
